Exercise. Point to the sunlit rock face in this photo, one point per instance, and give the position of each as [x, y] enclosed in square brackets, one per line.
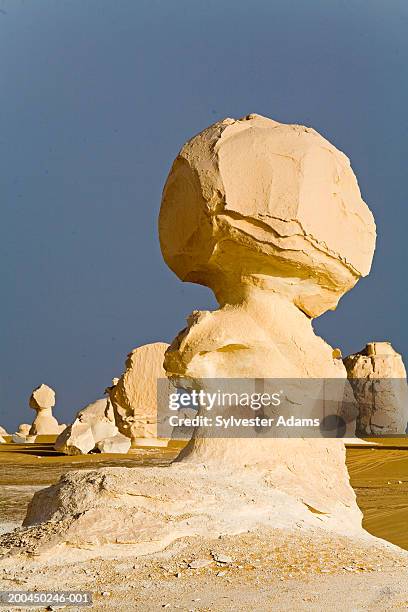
[254, 200]
[134, 396]
[378, 377]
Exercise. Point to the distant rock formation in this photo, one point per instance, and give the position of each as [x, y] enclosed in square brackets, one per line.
[134, 397]
[378, 378]
[22, 435]
[3, 432]
[42, 400]
[93, 424]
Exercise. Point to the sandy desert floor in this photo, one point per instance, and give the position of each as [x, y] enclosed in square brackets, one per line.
[268, 570]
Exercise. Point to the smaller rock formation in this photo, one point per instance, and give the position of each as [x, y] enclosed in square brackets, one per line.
[43, 400]
[134, 397]
[3, 432]
[378, 377]
[92, 425]
[116, 444]
[22, 435]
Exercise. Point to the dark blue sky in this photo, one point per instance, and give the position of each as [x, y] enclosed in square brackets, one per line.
[97, 97]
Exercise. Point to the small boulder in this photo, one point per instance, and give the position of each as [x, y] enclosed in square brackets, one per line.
[115, 444]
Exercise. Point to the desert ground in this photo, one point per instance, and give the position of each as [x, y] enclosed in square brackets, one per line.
[263, 570]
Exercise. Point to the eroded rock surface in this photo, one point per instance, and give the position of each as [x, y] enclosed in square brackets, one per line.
[378, 377]
[92, 424]
[144, 510]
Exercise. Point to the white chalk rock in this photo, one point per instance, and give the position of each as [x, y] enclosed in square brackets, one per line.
[92, 424]
[76, 439]
[270, 217]
[3, 432]
[115, 444]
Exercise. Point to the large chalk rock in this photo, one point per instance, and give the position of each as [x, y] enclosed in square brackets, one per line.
[92, 424]
[378, 377]
[76, 439]
[42, 400]
[3, 432]
[271, 218]
[134, 397]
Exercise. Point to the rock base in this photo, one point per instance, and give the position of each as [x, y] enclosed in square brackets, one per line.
[112, 511]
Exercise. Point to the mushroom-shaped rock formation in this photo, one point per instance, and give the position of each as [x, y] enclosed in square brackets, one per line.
[271, 218]
[92, 424]
[42, 400]
[379, 381]
[134, 396]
